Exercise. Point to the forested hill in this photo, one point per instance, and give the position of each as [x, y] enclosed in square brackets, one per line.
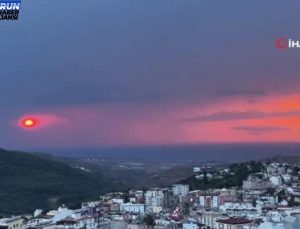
[28, 182]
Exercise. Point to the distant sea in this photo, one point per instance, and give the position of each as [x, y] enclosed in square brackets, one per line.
[184, 153]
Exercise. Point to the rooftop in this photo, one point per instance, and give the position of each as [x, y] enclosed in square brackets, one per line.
[234, 221]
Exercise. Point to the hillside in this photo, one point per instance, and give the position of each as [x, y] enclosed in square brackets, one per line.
[235, 177]
[290, 159]
[28, 182]
[165, 178]
[137, 174]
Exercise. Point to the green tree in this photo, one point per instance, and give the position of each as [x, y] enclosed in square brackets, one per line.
[186, 208]
[254, 202]
[149, 220]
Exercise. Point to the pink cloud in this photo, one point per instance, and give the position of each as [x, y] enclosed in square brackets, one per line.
[95, 125]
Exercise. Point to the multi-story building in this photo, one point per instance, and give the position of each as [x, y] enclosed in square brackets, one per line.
[154, 200]
[242, 209]
[180, 189]
[254, 187]
[211, 199]
[132, 208]
[209, 218]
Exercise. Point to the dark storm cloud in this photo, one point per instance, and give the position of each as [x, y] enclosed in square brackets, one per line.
[260, 129]
[240, 115]
[144, 51]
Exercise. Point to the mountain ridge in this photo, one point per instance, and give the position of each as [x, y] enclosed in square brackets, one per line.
[28, 182]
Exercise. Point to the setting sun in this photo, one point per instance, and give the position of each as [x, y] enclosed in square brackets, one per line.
[28, 122]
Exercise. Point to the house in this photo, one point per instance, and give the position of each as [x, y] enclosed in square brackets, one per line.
[234, 223]
[16, 222]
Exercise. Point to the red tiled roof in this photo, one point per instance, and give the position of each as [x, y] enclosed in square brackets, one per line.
[234, 221]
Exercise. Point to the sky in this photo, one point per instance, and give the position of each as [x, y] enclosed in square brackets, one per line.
[111, 73]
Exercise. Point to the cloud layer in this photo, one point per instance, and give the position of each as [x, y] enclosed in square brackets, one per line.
[240, 115]
[149, 72]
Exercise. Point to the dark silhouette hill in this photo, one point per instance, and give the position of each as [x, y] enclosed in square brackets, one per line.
[29, 182]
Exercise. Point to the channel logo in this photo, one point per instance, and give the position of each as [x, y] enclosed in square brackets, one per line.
[284, 43]
[9, 9]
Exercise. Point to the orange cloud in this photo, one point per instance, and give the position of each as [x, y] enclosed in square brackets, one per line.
[275, 119]
[272, 119]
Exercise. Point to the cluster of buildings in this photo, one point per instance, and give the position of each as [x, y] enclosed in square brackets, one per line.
[266, 200]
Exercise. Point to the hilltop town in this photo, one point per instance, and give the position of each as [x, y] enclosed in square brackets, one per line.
[268, 197]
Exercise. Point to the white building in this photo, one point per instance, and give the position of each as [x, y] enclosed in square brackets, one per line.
[268, 225]
[135, 226]
[138, 194]
[253, 184]
[286, 177]
[37, 212]
[210, 200]
[209, 218]
[238, 210]
[154, 200]
[118, 224]
[202, 201]
[215, 201]
[16, 222]
[118, 200]
[132, 208]
[197, 169]
[180, 189]
[190, 224]
[61, 214]
[276, 180]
